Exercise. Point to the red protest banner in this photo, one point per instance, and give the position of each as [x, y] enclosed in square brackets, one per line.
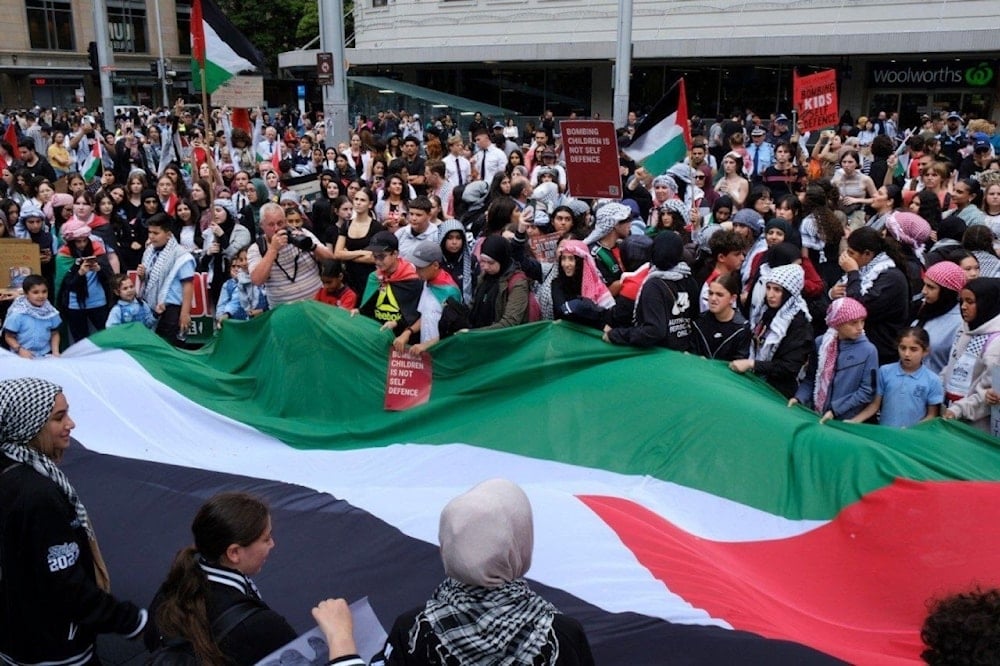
[408, 381]
[591, 149]
[815, 97]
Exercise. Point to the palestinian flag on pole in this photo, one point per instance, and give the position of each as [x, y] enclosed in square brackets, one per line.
[91, 165]
[663, 137]
[218, 47]
[678, 506]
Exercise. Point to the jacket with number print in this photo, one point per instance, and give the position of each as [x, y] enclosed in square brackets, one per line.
[51, 608]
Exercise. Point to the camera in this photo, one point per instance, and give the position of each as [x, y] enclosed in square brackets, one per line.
[300, 241]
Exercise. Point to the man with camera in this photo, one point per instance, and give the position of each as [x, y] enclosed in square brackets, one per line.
[285, 260]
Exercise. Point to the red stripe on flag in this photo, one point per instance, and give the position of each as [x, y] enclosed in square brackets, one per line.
[276, 156]
[856, 588]
[197, 34]
[682, 114]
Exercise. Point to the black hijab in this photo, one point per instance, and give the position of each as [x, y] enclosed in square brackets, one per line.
[483, 312]
[987, 291]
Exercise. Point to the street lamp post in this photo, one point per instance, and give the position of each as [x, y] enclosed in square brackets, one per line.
[161, 66]
[331, 40]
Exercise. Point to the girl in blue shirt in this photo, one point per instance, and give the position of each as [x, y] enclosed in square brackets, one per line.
[129, 307]
[907, 392]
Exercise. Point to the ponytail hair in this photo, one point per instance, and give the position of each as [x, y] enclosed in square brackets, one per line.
[867, 239]
[224, 520]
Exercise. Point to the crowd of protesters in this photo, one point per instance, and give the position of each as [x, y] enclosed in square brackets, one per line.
[856, 272]
[854, 269]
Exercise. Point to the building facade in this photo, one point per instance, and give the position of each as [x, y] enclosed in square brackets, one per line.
[44, 57]
[894, 55]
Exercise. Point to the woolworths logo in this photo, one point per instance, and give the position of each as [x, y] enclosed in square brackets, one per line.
[934, 74]
[979, 76]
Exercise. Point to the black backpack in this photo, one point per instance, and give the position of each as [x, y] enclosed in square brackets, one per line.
[180, 652]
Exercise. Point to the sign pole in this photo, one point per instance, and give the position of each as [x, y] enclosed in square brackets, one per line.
[204, 100]
[623, 63]
[105, 58]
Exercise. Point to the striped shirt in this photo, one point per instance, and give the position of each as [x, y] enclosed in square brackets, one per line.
[294, 274]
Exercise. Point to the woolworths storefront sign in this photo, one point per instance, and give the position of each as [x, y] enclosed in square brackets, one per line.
[930, 75]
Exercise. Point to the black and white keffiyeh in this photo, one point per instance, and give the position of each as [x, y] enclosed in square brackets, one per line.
[871, 271]
[25, 406]
[159, 265]
[508, 625]
[675, 274]
[22, 305]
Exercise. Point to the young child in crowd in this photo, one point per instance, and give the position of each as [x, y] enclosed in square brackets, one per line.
[907, 391]
[128, 307]
[167, 273]
[840, 381]
[240, 299]
[31, 225]
[31, 329]
[334, 291]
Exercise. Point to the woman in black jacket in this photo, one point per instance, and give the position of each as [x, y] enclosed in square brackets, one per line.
[232, 539]
[782, 336]
[721, 332]
[666, 302]
[875, 274]
[54, 596]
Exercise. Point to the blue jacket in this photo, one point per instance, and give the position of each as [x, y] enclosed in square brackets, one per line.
[125, 313]
[854, 379]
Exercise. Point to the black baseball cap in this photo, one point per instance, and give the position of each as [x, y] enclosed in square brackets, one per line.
[383, 241]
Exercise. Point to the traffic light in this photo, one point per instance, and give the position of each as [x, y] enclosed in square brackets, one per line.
[154, 68]
[92, 56]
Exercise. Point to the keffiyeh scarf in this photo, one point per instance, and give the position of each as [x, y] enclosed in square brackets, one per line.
[675, 274]
[478, 626]
[23, 306]
[159, 265]
[872, 270]
[25, 405]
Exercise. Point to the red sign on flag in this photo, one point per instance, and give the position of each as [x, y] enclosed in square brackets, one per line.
[815, 97]
[591, 149]
[408, 381]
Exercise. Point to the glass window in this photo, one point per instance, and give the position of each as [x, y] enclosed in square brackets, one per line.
[184, 27]
[977, 104]
[50, 24]
[947, 101]
[911, 106]
[127, 26]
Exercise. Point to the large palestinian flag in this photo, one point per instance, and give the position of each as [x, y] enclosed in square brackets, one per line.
[218, 47]
[682, 512]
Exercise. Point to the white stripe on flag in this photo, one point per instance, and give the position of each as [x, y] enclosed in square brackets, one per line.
[657, 137]
[221, 54]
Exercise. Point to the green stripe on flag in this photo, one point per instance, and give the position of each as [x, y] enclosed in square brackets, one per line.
[313, 377]
[215, 76]
[666, 156]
